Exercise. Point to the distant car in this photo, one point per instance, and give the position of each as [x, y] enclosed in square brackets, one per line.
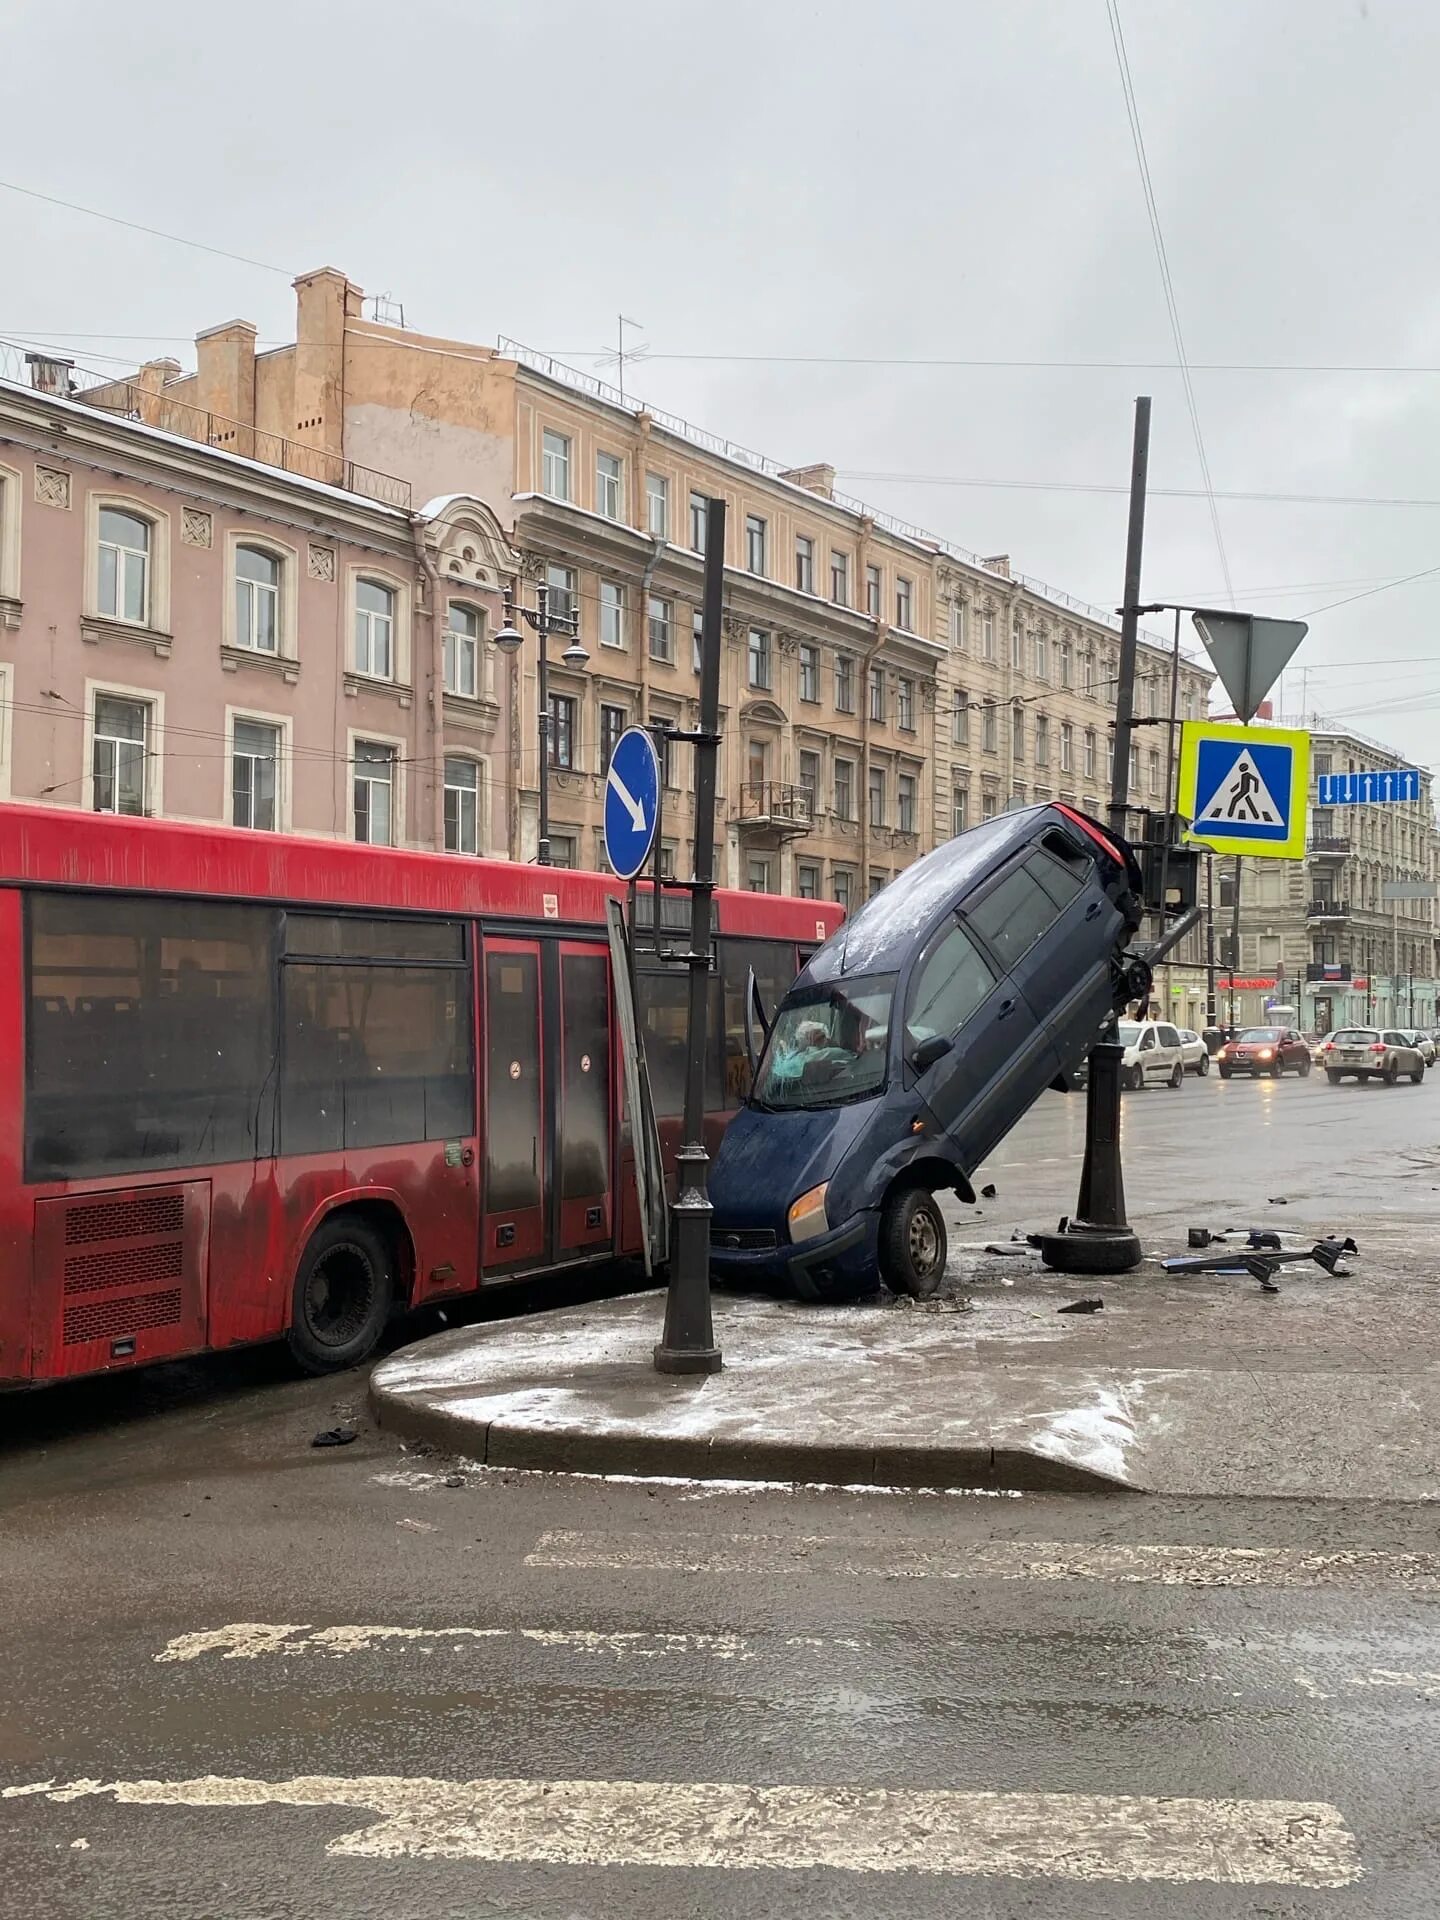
[1316, 1043]
[911, 1044]
[1268, 1050]
[1372, 1053]
[1422, 1043]
[1194, 1052]
[1152, 1052]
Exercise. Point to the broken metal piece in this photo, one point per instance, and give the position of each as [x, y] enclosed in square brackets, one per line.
[1083, 1306]
[1263, 1237]
[1198, 1237]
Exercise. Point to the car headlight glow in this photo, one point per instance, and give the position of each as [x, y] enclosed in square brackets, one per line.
[806, 1217]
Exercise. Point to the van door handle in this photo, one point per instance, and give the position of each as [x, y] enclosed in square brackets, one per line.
[1007, 1007]
[1093, 909]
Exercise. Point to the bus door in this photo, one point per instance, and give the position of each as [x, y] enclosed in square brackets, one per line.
[513, 1224]
[580, 1050]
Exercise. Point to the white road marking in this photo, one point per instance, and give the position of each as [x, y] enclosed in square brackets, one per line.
[1164, 1566]
[661, 1823]
[250, 1639]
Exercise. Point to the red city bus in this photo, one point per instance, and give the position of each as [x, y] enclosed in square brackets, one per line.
[254, 1087]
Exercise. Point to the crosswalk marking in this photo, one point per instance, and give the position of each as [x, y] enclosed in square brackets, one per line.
[1166, 1566]
[250, 1639]
[658, 1823]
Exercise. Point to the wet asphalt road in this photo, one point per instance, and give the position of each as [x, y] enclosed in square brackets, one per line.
[572, 1631]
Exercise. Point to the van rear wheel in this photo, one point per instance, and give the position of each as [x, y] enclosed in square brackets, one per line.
[913, 1243]
[343, 1294]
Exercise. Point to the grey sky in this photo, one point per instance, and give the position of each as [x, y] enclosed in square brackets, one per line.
[830, 178]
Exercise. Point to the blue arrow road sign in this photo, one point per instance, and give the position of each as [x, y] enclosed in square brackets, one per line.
[632, 802]
[1367, 789]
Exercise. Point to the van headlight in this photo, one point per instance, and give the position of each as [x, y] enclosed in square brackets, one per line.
[806, 1217]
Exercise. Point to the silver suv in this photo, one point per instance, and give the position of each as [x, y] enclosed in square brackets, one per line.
[1372, 1053]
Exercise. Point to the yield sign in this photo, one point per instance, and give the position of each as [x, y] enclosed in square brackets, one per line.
[1248, 653]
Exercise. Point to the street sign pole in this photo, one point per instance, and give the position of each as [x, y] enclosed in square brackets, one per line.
[1130, 618]
[688, 1342]
[1234, 942]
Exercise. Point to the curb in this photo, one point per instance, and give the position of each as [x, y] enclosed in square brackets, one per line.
[502, 1443]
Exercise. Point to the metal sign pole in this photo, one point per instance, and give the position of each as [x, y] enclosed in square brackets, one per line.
[688, 1343]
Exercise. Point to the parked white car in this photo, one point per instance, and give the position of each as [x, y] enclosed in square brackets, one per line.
[1194, 1052]
[1152, 1052]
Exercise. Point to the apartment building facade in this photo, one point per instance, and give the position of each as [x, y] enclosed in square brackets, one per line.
[189, 632]
[1319, 934]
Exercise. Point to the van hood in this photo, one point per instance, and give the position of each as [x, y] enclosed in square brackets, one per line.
[767, 1160]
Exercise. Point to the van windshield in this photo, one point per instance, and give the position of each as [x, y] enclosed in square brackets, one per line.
[828, 1045]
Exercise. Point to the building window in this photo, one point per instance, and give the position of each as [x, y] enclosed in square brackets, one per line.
[810, 780]
[989, 803]
[1187, 705]
[957, 625]
[987, 635]
[757, 764]
[1323, 761]
[661, 622]
[562, 731]
[804, 564]
[757, 875]
[555, 465]
[462, 806]
[697, 637]
[1042, 655]
[613, 721]
[807, 881]
[989, 727]
[1042, 741]
[1153, 772]
[1087, 674]
[877, 695]
[257, 600]
[877, 884]
[657, 505]
[699, 521]
[960, 719]
[844, 683]
[374, 793]
[1067, 747]
[612, 614]
[609, 473]
[119, 752]
[1018, 796]
[1017, 734]
[877, 796]
[124, 584]
[840, 578]
[1134, 769]
[905, 790]
[1089, 753]
[254, 764]
[809, 672]
[960, 810]
[561, 582]
[374, 629]
[873, 589]
[462, 651]
[842, 885]
[844, 789]
[1067, 662]
[562, 850]
[904, 604]
[1017, 648]
[905, 705]
[755, 543]
[759, 658]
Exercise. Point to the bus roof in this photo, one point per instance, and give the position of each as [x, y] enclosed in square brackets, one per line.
[65, 847]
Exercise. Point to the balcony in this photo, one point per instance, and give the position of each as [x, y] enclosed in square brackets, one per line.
[774, 806]
[1333, 846]
[1327, 910]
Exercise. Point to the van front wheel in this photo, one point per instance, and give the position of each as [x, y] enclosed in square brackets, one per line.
[913, 1243]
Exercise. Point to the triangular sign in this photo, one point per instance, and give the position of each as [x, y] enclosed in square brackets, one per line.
[1248, 653]
[1242, 798]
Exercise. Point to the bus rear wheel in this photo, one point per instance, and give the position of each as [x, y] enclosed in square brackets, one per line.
[343, 1295]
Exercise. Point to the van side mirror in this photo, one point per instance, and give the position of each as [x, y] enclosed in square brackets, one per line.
[931, 1050]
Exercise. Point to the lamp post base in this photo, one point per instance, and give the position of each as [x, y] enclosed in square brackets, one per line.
[1082, 1248]
[686, 1359]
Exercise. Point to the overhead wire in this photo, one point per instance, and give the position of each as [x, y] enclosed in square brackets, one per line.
[136, 226]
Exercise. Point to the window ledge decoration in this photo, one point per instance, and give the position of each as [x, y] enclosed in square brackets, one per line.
[10, 612]
[232, 659]
[95, 627]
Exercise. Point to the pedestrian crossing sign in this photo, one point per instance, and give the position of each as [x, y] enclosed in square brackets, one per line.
[1244, 789]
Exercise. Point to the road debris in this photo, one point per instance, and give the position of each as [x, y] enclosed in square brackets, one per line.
[335, 1437]
[1083, 1306]
[992, 1192]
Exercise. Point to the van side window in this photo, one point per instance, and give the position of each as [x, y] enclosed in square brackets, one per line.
[949, 985]
[1061, 879]
[1013, 916]
[1169, 1037]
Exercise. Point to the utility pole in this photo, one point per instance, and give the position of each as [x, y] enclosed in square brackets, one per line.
[1212, 1011]
[688, 1342]
[510, 639]
[1130, 619]
[1234, 942]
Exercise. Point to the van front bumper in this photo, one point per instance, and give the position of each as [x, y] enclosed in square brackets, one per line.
[846, 1253]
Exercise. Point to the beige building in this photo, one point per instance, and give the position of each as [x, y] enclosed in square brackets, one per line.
[881, 689]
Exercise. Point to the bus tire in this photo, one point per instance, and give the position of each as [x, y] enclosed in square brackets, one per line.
[913, 1243]
[344, 1290]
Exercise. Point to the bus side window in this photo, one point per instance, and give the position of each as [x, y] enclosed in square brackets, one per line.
[664, 993]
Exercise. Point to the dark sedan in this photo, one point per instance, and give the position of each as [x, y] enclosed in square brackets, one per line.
[913, 1042]
[1267, 1050]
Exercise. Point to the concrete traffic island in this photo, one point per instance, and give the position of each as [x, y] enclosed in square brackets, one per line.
[1201, 1385]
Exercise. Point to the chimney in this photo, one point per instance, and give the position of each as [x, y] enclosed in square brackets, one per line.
[819, 478]
[49, 374]
[225, 371]
[324, 301]
[998, 563]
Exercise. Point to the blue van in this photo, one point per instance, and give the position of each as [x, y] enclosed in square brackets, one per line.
[911, 1044]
